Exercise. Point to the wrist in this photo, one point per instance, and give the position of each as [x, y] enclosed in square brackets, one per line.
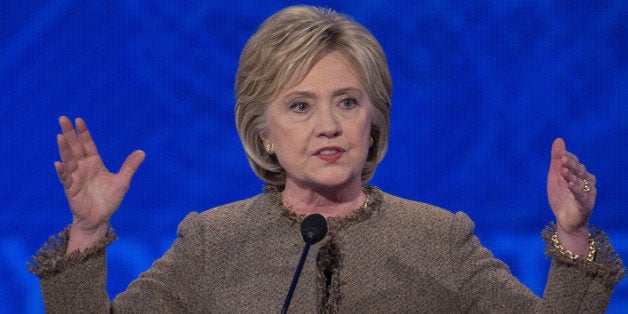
[574, 245]
[576, 242]
[81, 239]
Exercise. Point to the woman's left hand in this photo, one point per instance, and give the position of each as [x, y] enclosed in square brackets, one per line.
[571, 193]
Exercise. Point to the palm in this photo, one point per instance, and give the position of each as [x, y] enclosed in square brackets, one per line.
[93, 192]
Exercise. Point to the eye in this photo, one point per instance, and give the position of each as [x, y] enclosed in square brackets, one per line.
[349, 103]
[300, 106]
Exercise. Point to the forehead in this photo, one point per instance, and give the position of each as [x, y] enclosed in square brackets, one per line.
[332, 70]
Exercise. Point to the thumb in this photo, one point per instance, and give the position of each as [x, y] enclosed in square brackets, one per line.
[131, 164]
[558, 148]
[558, 151]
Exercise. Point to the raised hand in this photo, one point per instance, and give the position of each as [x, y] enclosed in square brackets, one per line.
[93, 192]
[571, 193]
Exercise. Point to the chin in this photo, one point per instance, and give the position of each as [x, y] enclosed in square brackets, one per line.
[336, 180]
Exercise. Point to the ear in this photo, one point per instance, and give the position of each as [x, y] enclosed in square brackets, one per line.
[264, 137]
[268, 145]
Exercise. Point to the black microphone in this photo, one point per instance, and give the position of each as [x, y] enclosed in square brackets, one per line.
[313, 229]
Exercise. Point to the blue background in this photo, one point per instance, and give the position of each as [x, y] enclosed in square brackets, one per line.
[480, 91]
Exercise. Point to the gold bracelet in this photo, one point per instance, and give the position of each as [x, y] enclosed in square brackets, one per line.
[569, 254]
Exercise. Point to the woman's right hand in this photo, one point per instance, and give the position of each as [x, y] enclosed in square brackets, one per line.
[93, 192]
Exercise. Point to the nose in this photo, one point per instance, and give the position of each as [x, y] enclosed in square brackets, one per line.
[328, 124]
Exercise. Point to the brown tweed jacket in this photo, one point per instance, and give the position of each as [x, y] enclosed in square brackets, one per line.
[395, 255]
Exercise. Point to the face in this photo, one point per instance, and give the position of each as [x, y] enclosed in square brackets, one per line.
[320, 128]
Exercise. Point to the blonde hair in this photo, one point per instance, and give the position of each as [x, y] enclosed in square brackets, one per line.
[280, 54]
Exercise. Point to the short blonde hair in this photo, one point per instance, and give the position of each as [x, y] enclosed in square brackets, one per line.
[279, 55]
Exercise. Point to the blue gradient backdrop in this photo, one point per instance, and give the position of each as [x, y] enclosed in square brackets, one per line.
[480, 91]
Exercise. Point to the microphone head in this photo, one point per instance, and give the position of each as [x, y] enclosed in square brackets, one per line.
[313, 228]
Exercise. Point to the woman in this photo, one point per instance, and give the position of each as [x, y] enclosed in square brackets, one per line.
[312, 110]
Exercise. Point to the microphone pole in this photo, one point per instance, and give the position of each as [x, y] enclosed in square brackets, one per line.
[313, 229]
[295, 279]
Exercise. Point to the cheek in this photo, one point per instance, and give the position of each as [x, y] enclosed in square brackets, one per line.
[290, 146]
[366, 127]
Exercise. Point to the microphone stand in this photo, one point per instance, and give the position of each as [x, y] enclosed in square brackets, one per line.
[295, 279]
[313, 229]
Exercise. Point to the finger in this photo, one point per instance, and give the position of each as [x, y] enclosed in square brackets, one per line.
[130, 165]
[571, 162]
[585, 198]
[65, 179]
[577, 184]
[71, 137]
[558, 149]
[572, 156]
[556, 163]
[85, 138]
[571, 176]
[65, 152]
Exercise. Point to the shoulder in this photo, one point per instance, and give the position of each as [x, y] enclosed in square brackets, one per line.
[409, 207]
[416, 234]
[235, 210]
[417, 216]
[225, 217]
[415, 210]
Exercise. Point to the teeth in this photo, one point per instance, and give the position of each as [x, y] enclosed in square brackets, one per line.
[328, 152]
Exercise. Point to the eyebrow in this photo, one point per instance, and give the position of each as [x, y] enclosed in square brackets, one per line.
[347, 90]
[336, 93]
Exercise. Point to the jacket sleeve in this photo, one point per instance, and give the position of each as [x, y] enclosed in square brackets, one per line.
[578, 286]
[77, 283]
[487, 285]
[173, 282]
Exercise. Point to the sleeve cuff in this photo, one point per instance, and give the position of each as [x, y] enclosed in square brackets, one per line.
[607, 265]
[51, 258]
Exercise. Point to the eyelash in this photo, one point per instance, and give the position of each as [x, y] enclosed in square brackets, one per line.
[295, 105]
[354, 102]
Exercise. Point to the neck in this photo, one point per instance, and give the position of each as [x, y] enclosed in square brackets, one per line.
[328, 202]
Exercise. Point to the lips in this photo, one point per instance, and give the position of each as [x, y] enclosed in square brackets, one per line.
[329, 153]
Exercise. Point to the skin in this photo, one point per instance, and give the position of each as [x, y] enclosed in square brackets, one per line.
[329, 108]
[571, 205]
[93, 192]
